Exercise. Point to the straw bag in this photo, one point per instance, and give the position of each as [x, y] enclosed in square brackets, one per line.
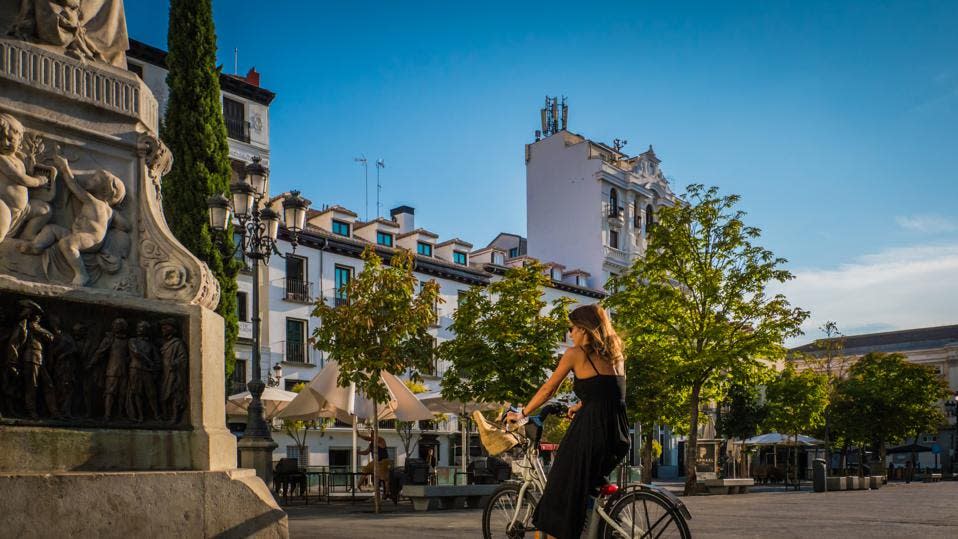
[495, 439]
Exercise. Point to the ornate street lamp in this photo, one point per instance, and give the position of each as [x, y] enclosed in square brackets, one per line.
[277, 376]
[259, 230]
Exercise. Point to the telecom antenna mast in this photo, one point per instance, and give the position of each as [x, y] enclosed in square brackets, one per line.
[380, 164]
[554, 116]
[362, 160]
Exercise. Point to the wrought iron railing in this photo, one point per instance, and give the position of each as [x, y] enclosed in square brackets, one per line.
[299, 290]
[237, 129]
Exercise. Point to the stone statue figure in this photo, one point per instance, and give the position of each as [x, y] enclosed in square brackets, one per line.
[175, 362]
[97, 193]
[141, 389]
[114, 352]
[93, 373]
[9, 372]
[64, 356]
[16, 208]
[27, 342]
[92, 30]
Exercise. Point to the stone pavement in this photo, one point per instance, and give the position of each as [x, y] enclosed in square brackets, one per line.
[897, 510]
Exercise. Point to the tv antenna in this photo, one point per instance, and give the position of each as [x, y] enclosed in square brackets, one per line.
[380, 164]
[618, 144]
[362, 160]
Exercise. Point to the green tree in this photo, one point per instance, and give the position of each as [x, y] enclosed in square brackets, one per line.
[299, 430]
[195, 132]
[555, 427]
[795, 403]
[701, 287]
[382, 327]
[833, 362]
[506, 339]
[893, 399]
[741, 412]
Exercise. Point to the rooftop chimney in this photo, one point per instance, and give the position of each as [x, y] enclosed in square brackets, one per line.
[405, 217]
[252, 77]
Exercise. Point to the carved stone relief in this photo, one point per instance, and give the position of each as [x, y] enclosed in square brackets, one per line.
[58, 223]
[89, 30]
[71, 364]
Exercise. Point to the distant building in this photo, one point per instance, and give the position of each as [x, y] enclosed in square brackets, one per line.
[935, 347]
[588, 204]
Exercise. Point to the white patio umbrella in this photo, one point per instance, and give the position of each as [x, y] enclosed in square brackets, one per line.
[274, 401]
[436, 403]
[776, 438]
[323, 397]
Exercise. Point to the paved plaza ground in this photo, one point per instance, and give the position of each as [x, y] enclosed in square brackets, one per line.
[897, 510]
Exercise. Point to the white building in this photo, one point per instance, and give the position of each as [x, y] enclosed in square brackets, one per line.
[588, 204]
[328, 255]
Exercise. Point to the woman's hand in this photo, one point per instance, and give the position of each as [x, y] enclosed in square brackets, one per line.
[570, 413]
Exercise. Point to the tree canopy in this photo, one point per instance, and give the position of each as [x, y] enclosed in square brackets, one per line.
[505, 338]
[701, 289]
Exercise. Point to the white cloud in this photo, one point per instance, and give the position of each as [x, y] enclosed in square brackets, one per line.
[927, 224]
[898, 288]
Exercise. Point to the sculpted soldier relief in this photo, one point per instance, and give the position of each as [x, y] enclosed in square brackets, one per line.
[58, 224]
[110, 369]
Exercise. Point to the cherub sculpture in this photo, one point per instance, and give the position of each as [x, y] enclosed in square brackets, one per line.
[17, 209]
[98, 194]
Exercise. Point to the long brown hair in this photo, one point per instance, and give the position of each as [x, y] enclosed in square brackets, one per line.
[597, 325]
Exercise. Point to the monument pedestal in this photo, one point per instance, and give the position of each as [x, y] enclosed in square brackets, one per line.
[112, 393]
[257, 454]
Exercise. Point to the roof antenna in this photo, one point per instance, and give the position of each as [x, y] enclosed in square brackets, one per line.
[380, 164]
[236, 61]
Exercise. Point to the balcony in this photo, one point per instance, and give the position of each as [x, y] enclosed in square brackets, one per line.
[616, 256]
[299, 291]
[616, 215]
[296, 352]
[237, 129]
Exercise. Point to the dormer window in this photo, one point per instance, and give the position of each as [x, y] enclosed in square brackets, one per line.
[384, 238]
[514, 252]
[497, 259]
[423, 248]
[459, 257]
[340, 228]
[556, 274]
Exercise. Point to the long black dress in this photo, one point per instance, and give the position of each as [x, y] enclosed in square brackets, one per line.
[597, 440]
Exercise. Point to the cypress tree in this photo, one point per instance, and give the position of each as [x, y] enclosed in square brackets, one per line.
[195, 132]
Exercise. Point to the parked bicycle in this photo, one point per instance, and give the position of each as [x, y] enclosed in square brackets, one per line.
[635, 510]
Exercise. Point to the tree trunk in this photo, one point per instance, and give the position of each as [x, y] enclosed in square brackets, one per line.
[647, 456]
[691, 448]
[881, 457]
[376, 456]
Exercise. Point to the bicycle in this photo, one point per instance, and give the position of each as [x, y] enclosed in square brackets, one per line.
[636, 510]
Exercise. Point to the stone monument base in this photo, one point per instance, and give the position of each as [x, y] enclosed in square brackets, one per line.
[223, 504]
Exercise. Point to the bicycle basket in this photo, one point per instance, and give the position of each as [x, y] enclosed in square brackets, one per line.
[495, 439]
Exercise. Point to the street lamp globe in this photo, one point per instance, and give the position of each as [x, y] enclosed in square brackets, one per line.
[294, 211]
[243, 199]
[278, 371]
[219, 207]
[270, 220]
[256, 175]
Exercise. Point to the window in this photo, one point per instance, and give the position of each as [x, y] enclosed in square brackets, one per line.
[514, 252]
[459, 295]
[234, 113]
[614, 239]
[649, 219]
[302, 458]
[242, 311]
[459, 257]
[384, 238]
[239, 376]
[296, 341]
[497, 259]
[636, 216]
[342, 276]
[297, 288]
[423, 248]
[613, 203]
[435, 306]
[238, 252]
[340, 228]
[556, 274]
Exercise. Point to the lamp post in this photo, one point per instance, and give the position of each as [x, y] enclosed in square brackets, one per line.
[259, 229]
[951, 406]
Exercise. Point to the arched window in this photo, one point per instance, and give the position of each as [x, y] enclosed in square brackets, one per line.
[613, 203]
[649, 219]
[636, 217]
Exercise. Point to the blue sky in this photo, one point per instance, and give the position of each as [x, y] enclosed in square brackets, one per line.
[836, 121]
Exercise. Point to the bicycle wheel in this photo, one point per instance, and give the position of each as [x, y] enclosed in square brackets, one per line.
[497, 517]
[642, 514]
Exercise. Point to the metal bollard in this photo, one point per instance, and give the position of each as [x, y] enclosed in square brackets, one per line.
[820, 472]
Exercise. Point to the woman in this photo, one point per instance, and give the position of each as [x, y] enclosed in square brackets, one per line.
[598, 437]
[385, 463]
